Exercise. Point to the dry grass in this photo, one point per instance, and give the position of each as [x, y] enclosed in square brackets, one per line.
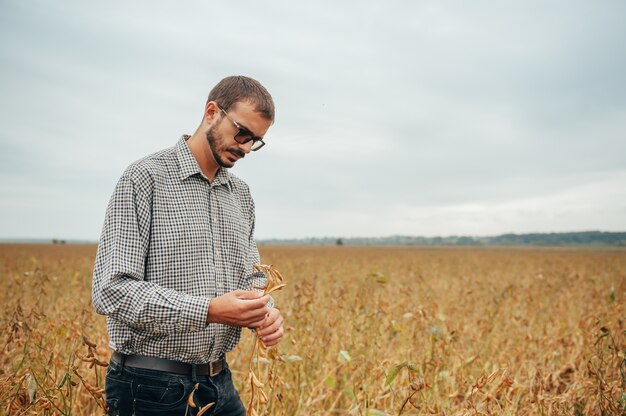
[371, 331]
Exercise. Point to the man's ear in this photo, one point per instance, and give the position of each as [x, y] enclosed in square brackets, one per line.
[211, 112]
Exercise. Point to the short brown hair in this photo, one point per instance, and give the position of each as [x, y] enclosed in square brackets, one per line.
[234, 89]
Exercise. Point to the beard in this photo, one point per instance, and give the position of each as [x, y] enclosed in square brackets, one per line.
[218, 150]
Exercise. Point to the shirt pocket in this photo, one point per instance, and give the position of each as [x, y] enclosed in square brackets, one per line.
[235, 230]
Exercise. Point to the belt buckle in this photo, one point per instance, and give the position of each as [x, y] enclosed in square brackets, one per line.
[214, 367]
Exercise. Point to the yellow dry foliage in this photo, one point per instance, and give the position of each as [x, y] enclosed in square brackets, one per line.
[370, 331]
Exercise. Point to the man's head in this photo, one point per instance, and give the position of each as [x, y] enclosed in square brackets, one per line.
[235, 89]
[238, 113]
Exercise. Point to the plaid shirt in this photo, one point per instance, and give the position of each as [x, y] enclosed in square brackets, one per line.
[171, 241]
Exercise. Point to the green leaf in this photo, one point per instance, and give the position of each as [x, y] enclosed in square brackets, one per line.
[442, 375]
[65, 379]
[344, 357]
[396, 327]
[380, 278]
[393, 372]
[330, 382]
[412, 367]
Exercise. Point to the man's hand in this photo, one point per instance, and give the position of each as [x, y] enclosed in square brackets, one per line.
[239, 308]
[271, 329]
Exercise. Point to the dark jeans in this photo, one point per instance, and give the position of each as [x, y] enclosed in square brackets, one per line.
[137, 392]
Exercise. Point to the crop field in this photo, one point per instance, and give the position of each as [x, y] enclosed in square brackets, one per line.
[370, 331]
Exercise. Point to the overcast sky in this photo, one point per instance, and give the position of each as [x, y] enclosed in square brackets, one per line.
[399, 117]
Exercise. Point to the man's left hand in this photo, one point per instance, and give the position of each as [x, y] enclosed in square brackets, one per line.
[271, 330]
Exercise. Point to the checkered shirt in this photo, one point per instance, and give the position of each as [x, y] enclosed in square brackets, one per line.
[171, 241]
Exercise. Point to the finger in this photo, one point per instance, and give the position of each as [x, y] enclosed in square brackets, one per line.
[272, 328]
[248, 294]
[258, 300]
[272, 321]
[267, 321]
[254, 315]
[273, 339]
[261, 313]
[272, 316]
[257, 303]
[255, 323]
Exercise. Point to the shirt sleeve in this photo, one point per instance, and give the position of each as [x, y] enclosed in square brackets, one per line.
[120, 289]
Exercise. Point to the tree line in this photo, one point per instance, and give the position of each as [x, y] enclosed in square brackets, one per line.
[584, 238]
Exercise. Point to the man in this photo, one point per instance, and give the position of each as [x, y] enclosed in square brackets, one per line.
[173, 271]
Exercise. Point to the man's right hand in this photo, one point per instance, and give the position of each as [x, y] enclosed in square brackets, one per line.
[239, 308]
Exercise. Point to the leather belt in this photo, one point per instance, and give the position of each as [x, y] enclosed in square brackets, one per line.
[170, 366]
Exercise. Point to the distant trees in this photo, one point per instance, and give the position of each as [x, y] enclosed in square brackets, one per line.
[584, 238]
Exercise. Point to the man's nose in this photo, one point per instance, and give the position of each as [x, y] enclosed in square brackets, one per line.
[247, 147]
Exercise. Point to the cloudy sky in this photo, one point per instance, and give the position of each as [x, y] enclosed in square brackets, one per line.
[399, 117]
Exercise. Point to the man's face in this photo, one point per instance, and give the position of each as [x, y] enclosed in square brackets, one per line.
[221, 134]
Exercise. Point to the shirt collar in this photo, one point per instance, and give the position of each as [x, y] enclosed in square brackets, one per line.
[188, 166]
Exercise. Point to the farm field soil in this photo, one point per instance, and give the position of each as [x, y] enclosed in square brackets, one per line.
[370, 331]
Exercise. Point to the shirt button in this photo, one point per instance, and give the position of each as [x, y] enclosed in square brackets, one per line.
[214, 220]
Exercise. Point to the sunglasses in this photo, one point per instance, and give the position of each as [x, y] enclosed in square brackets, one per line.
[244, 135]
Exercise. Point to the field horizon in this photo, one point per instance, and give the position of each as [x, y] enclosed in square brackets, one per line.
[589, 238]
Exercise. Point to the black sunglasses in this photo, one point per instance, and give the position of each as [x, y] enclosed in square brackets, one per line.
[244, 135]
